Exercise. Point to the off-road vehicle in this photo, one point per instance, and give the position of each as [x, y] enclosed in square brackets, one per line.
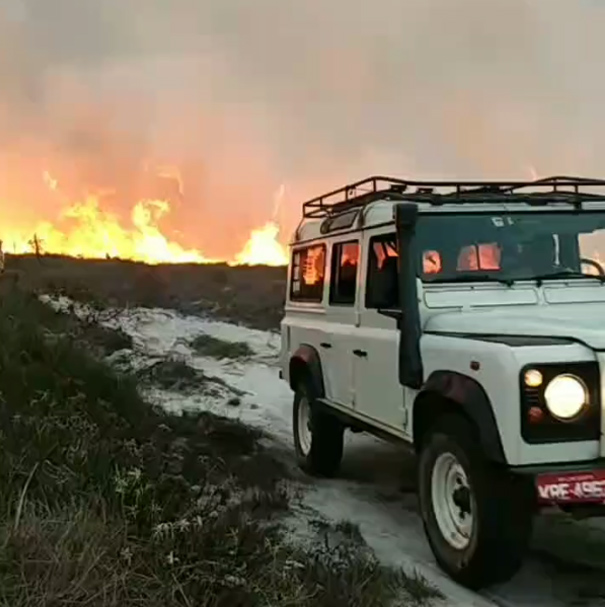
[467, 320]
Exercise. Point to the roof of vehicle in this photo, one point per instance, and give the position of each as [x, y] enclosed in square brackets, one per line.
[370, 202]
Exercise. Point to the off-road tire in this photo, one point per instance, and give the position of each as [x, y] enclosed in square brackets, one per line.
[327, 435]
[503, 517]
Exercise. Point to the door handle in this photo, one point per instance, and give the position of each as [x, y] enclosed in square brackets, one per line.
[325, 344]
[360, 353]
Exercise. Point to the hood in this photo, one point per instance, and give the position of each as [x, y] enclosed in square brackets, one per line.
[584, 323]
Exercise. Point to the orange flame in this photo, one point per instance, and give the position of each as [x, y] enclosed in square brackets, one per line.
[263, 248]
[313, 269]
[88, 231]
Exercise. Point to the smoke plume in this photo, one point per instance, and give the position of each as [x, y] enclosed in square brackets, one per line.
[244, 96]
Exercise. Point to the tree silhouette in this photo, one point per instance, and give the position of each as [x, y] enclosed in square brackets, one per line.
[36, 244]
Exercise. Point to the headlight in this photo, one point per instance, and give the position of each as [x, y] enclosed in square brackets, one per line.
[565, 396]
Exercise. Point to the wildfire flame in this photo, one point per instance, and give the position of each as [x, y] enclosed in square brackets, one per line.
[263, 248]
[88, 231]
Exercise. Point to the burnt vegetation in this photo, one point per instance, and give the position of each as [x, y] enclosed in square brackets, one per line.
[107, 500]
[251, 295]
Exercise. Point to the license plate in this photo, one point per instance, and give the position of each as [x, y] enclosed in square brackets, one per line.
[570, 488]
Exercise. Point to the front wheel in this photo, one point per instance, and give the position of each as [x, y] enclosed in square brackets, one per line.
[318, 435]
[477, 518]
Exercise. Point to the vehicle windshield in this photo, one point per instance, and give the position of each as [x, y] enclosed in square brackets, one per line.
[511, 246]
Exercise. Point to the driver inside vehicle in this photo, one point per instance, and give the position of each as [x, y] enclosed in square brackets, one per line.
[524, 259]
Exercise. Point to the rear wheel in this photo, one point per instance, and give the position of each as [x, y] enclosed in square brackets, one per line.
[477, 518]
[318, 435]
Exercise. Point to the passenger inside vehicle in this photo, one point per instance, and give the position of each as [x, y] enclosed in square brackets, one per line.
[347, 275]
[385, 286]
[383, 276]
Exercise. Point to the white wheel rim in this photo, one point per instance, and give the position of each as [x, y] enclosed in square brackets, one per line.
[454, 504]
[304, 425]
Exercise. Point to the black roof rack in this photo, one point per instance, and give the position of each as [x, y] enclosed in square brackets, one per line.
[539, 191]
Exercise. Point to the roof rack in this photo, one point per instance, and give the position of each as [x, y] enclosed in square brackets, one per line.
[538, 191]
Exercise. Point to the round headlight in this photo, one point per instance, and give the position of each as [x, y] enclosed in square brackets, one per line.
[565, 396]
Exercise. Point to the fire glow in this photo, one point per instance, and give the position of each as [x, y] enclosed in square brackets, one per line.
[84, 229]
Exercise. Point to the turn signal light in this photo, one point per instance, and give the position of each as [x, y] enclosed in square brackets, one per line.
[533, 378]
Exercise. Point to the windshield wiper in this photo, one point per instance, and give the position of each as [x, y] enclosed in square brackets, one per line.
[563, 274]
[475, 278]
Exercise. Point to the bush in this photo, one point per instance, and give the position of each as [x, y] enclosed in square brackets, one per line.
[206, 345]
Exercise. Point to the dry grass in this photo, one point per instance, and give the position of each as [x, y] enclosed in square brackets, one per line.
[106, 501]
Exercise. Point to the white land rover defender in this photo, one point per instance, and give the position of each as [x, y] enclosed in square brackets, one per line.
[467, 320]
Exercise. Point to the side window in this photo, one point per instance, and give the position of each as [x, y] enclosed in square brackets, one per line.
[382, 290]
[308, 272]
[345, 261]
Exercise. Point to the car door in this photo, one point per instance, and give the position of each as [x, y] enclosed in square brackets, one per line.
[379, 396]
[342, 318]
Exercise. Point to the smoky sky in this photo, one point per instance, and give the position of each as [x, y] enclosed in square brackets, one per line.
[247, 95]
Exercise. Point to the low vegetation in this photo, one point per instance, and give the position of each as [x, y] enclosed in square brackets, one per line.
[105, 500]
[253, 296]
[206, 345]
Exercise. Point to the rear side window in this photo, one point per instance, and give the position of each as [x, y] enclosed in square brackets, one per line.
[345, 261]
[308, 272]
[382, 287]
